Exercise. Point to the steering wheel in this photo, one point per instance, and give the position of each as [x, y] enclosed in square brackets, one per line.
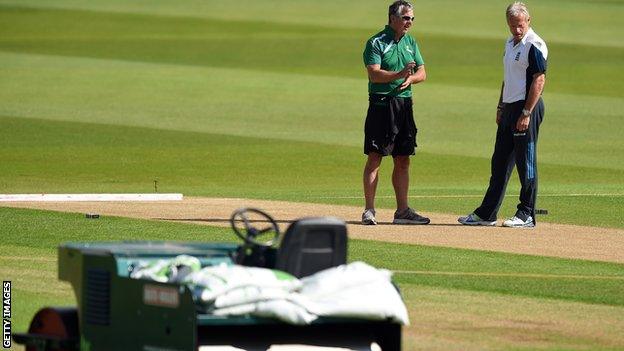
[249, 233]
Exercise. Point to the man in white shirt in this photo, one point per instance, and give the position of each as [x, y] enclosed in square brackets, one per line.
[519, 114]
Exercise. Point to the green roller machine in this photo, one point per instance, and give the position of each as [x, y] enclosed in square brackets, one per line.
[117, 312]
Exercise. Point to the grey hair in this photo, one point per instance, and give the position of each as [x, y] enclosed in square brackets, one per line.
[397, 8]
[516, 9]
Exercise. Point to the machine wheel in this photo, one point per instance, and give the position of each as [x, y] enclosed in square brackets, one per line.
[52, 328]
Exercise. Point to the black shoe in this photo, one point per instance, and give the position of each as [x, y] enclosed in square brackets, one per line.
[409, 216]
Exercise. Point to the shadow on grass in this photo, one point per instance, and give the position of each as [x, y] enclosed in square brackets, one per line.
[284, 221]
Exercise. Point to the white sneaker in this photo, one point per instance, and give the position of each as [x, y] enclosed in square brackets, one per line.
[515, 222]
[368, 217]
[473, 219]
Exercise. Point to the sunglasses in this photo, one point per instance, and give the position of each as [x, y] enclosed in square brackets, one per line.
[407, 18]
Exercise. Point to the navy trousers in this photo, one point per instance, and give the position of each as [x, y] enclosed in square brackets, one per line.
[514, 148]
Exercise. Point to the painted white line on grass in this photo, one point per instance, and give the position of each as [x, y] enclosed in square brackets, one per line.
[515, 275]
[89, 197]
[464, 196]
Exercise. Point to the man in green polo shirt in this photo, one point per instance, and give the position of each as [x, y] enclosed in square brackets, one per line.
[394, 63]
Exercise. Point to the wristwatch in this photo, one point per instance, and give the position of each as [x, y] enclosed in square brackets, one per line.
[526, 112]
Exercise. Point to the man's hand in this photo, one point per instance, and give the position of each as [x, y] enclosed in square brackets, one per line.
[407, 70]
[523, 123]
[413, 75]
[406, 83]
[499, 115]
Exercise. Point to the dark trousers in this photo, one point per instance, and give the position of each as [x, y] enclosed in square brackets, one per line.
[514, 148]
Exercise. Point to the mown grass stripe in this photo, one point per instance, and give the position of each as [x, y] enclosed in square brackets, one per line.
[183, 98]
[519, 275]
[228, 43]
[27, 258]
[480, 18]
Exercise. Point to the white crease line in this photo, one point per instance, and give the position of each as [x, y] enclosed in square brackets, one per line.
[89, 197]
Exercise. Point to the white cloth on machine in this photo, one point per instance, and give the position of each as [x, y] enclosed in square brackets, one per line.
[174, 270]
[355, 290]
[238, 290]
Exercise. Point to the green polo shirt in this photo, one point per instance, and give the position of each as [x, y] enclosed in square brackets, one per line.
[381, 49]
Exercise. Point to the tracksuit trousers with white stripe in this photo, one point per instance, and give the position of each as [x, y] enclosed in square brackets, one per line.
[514, 147]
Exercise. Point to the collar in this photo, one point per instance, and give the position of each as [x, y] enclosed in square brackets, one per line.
[390, 32]
[524, 38]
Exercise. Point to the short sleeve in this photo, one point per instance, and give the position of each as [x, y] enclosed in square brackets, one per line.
[417, 56]
[537, 61]
[372, 54]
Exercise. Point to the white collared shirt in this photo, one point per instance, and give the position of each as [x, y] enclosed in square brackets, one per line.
[521, 61]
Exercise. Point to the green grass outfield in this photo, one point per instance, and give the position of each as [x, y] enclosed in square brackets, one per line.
[266, 99]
